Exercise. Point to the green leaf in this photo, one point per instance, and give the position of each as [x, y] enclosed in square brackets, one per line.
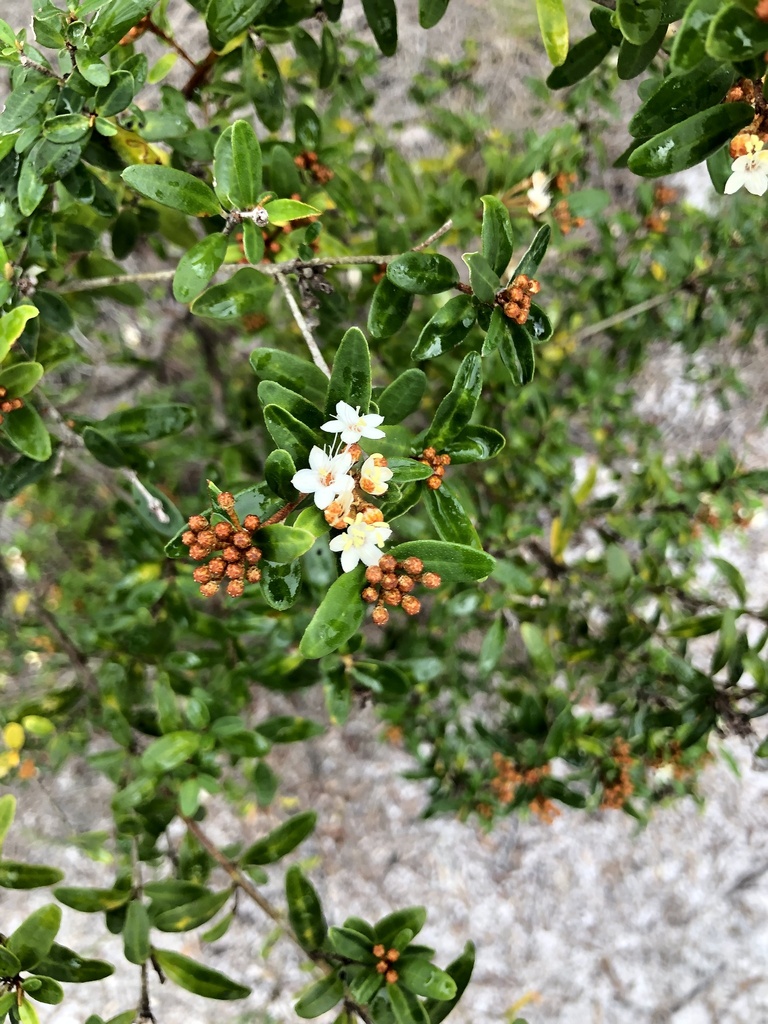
[422, 273]
[461, 972]
[431, 11]
[338, 617]
[454, 563]
[351, 374]
[281, 840]
[350, 943]
[34, 936]
[424, 979]
[329, 59]
[169, 187]
[695, 625]
[538, 325]
[93, 70]
[253, 242]
[408, 470]
[279, 470]
[582, 59]
[735, 34]
[197, 978]
[296, 374]
[304, 910]
[12, 326]
[638, 19]
[272, 393]
[688, 47]
[449, 518]
[20, 378]
[679, 97]
[66, 128]
[289, 729]
[24, 103]
[227, 18]
[308, 127]
[732, 576]
[289, 433]
[529, 264]
[169, 751]
[115, 97]
[496, 235]
[690, 141]
[280, 584]
[553, 25]
[9, 964]
[264, 84]
[113, 21]
[104, 449]
[223, 168]
[145, 423]
[7, 814]
[26, 431]
[14, 875]
[31, 188]
[192, 915]
[475, 444]
[198, 265]
[390, 308]
[602, 22]
[516, 349]
[320, 997]
[456, 409]
[283, 211]
[245, 292]
[46, 990]
[482, 279]
[246, 161]
[381, 16]
[412, 918]
[634, 59]
[403, 396]
[27, 1013]
[280, 543]
[64, 964]
[406, 1008]
[136, 933]
[90, 901]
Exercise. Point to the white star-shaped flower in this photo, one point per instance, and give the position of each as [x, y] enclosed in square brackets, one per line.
[361, 542]
[750, 170]
[538, 194]
[375, 474]
[352, 426]
[327, 477]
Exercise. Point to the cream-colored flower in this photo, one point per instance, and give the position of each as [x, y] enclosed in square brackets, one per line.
[361, 542]
[327, 477]
[538, 194]
[351, 425]
[750, 170]
[375, 474]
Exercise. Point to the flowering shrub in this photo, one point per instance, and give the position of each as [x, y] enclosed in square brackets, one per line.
[160, 247]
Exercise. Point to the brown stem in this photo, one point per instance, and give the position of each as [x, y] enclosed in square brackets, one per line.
[284, 512]
[157, 31]
[200, 74]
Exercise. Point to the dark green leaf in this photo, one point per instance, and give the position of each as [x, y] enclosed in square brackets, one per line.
[116, 96]
[66, 128]
[136, 933]
[9, 964]
[12, 326]
[381, 16]
[735, 34]
[272, 393]
[304, 910]
[253, 242]
[34, 937]
[264, 85]
[688, 47]
[65, 965]
[177, 189]
[197, 978]
[245, 292]
[529, 264]
[246, 162]
[281, 840]
[320, 997]
[114, 19]
[422, 273]
[403, 396]
[412, 918]
[296, 374]
[351, 374]
[279, 470]
[431, 11]
[307, 127]
[93, 70]
[280, 584]
[454, 563]
[192, 915]
[338, 617]
[638, 19]
[482, 279]
[146, 423]
[516, 349]
[406, 1008]
[352, 944]
[329, 59]
[475, 444]
[424, 979]
[455, 410]
[496, 234]
[449, 518]
[461, 971]
[679, 97]
[690, 141]
[634, 59]
[27, 433]
[408, 470]
[289, 433]
[582, 59]
[31, 188]
[289, 729]
[14, 875]
[227, 18]
[390, 308]
[198, 265]
[20, 378]
[104, 449]
[280, 543]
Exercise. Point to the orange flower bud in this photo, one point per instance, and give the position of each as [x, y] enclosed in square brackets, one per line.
[252, 523]
[252, 556]
[413, 566]
[209, 589]
[388, 563]
[411, 605]
[235, 588]
[226, 500]
[253, 575]
[370, 594]
[431, 580]
[202, 574]
[373, 574]
[380, 616]
[197, 523]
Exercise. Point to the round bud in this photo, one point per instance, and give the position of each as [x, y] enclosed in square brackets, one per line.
[198, 552]
[253, 575]
[209, 589]
[217, 567]
[370, 594]
[373, 574]
[405, 584]
[431, 580]
[251, 523]
[429, 454]
[382, 966]
[202, 574]
[6, 406]
[223, 531]
[411, 604]
[440, 470]
[444, 460]
[235, 571]
[380, 616]
[433, 483]
[226, 500]
[188, 538]
[389, 581]
[393, 955]
[392, 597]
[197, 523]
[207, 538]
[379, 950]
[413, 566]
[252, 556]
[388, 563]
[3, 391]
[242, 540]
[231, 554]
[235, 588]
[391, 977]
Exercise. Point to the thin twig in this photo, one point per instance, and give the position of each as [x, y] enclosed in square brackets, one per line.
[107, 282]
[298, 316]
[145, 1015]
[157, 31]
[154, 504]
[442, 230]
[619, 318]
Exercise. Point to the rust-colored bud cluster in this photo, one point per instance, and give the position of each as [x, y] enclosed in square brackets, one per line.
[309, 162]
[236, 557]
[390, 584]
[386, 958]
[437, 463]
[515, 299]
[617, 784]
[8, 404]
[565, 219]
[510, 776]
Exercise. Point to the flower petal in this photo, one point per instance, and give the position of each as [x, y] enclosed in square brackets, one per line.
[333, 427]
[757, 184]
[734, 183]
[349, 558]
[305, 480]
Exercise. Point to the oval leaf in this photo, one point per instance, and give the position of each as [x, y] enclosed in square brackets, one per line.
[690, 141]
[454, 563]
[169, 187]
[422, 273]
[338, 618]
[198, 265]
[281, 840]
[195, 977]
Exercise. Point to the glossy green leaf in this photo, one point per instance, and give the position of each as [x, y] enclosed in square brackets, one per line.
[264, 84]
[30, 188]
[272, 393]
[281, 840]
[294, 373]
[338, 617]
[113, 20]
[460, 970]
[389, 310]
[46, 990]
[496, 235]
[308, 127]
[407, 1009]
[64, 964]
[431, 11]
[279, 470]
[280, 543]
[246, 163]
[24, 103]
[93, 70]
[690, 141]
[12, 326]
[456, 409]
[534, 254]
[483, 280]
[408, 470]
[253, 242]
[553, 25]
[280, 584]
[320, 997]
[638, 19]
[424, 979]
[198, 265]
[538, 325]
[403, 396]
[412, 918]
[227, 18]
[289, 433]
[169, 187]
[735, 34]
[688, 47]
[516, 350]
[195, 977]
[223, 168]
[104, 449]
[582, 59]
[192, 915]
[26, 431]
[142, 424]
[15, 875]
[136, 933]
[679, 97]
[422, 273]
[247, 291]
[66, 128]
[454, 563]
[116, 96]
[289, 729]
[20, 378]
[475, 444]
[350, 943]
[381, 16]
[34, 936]
[449, 518]
[283, 211]
[169, 751]
[9, 964]
[351, 374]
[602, 22]
[633, 59]
[329, 59]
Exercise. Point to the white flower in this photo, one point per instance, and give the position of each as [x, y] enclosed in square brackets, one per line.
[352, 426]
[326, 477]
[361, 542]
[374, 475]
[538, 194]
[750, 170]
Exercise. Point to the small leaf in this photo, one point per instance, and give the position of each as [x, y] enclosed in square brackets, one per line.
[529, 264]
[264, 84]
[14, 875]
[136, 933]
[90, 901]
[351, 374]
[281, 840]
[456, 409]
[389, 310]
[407, 1009]
[20, 378]
[482, 279]
[389, 927]
[688, 47]
[7, 814]
[198, 265]
[12, 326]
[582, 59]
[680, 96]
[292, 372]
[191, 915]
[454, 563]
[553, 25]
[307, 127]
[320, 997]
[279, 470]
[289, 433]
[633, 59]
[253, 242]
[64, 964]
[169, 751]
[449, 518]
[690, 141]
[347, 942]
[245, 292]
[195, 977]
[26, 431]
[46, 990]
[403, 396]
[422, 273]
[280, 543]
[475, 444]
[34, 936]
[337, 618]
[381, 16]
[735, 34]
[147, 423]
[460, 970]
[638, 19]
[280, 584]
[431, 11]
[104, 449]
[496, 234]
[424, 979]
[283, 211]
[66, 128]
[177, 189]
[9, 964]
[93, 70]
